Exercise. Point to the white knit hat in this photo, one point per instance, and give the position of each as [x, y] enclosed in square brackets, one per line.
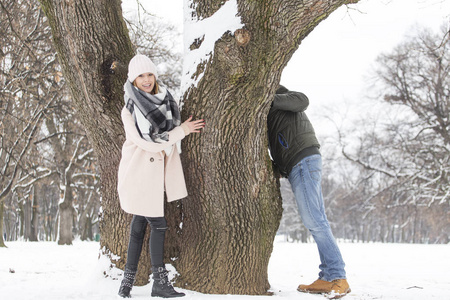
[140, 64]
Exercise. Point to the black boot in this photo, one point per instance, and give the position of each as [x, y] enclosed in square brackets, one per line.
[161, 285]
[127, 283]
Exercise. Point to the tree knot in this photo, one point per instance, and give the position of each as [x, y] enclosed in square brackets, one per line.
[242, 37]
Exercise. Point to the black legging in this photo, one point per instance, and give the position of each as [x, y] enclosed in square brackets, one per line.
[157, 235]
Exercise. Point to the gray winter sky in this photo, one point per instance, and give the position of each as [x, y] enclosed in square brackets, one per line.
[330, 64]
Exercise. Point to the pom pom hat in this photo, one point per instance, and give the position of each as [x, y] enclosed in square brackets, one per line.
[140, 64]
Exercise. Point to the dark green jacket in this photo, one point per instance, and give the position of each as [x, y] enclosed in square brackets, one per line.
[291, 134]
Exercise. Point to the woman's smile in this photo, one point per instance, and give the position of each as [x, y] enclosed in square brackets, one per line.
[145, 82]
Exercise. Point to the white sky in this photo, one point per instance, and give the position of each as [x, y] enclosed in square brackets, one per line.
[332, 61]
[330, 64]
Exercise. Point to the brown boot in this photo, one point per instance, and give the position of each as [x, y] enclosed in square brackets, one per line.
[339, 289]
[317, 287]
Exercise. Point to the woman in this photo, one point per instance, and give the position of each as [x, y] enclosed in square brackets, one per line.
[150, 166]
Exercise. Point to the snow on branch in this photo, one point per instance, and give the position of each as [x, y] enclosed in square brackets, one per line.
[203, 34]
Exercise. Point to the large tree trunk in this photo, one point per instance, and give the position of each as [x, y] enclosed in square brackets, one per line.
[34, 216]
[2, 209]
[234, 205]
[93, 46]
[27, 217]
[65, 223]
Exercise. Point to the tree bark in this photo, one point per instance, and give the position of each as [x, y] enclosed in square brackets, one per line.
[93, 46]
[34, 216]
[234, 204]
[65, 223]
[2, 209]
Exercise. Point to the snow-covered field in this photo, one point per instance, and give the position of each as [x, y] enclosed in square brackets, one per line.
[45, 271]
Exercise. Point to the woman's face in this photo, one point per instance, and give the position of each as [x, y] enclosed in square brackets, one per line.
[145, 82]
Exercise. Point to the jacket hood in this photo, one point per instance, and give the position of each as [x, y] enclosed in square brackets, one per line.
[281, 90]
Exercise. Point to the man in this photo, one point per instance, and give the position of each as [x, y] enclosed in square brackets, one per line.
[295, 152]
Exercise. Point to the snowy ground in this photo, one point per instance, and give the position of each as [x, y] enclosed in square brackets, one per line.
[45, 270]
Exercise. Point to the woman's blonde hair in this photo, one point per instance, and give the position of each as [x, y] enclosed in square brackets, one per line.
[155, 88]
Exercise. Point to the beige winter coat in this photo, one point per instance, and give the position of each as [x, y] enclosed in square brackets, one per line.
[143, 176]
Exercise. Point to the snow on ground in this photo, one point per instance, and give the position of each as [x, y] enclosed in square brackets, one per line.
[45, 270]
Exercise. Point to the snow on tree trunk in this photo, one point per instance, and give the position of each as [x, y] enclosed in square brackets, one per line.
[234, 204]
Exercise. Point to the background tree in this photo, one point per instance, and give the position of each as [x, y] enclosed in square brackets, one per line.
[404, 152]
[27, 89]
[234, 206]
[68, 151]
[32, 78]
[290, 224]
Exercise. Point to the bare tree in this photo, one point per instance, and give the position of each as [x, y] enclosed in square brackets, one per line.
[407, 155]
[417, 75]
[32, 78]
[67, 146]
[26, 83]
[290, 223]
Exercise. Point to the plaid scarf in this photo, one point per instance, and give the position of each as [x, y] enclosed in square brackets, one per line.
[162, 115]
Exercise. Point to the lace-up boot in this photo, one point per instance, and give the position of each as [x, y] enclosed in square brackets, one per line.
[317, 287]
[339, 289]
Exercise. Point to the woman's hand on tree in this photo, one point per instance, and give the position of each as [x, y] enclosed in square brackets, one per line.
[194, 126]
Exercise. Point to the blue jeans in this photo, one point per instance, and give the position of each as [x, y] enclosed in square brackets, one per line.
[305, 179]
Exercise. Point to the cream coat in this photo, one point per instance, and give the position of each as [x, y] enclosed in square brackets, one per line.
[143, 175]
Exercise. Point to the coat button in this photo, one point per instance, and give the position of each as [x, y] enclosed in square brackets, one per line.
[152, 159]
